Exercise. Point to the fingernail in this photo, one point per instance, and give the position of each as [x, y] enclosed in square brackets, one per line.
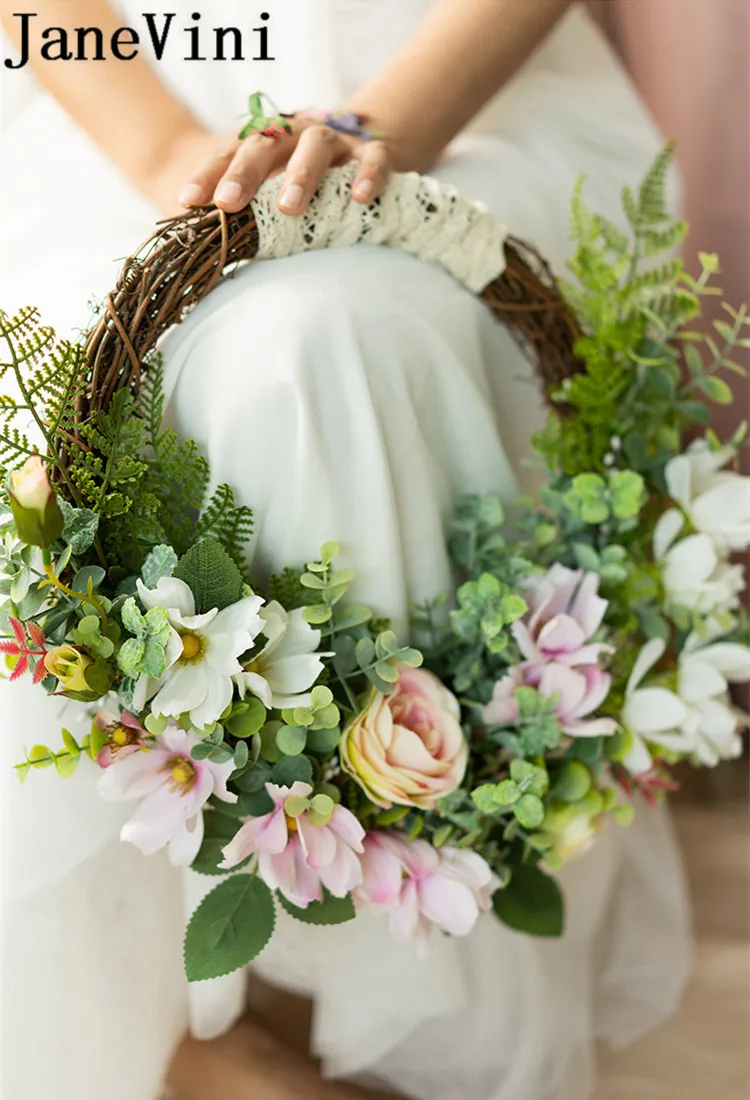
[363, 190]
[291, 196]
[229, 192]
[190, 194]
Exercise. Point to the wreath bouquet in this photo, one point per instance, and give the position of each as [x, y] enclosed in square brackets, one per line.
[284, 739]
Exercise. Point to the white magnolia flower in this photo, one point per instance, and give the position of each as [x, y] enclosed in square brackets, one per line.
[712, 723]
[716, 501]
[653, 714]
[282, 672]
[199, 681]
[693, 574]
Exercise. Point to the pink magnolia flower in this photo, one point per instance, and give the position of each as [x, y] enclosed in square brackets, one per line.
[174, 789]
[296, 856]
[124, 736]
[579, 691]
[422, 888]
[407, 747]
[565, 610]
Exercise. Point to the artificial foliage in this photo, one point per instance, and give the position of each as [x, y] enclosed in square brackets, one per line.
[587, 646]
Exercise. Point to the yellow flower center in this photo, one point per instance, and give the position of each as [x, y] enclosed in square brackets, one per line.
[193, 648]
[291, 824]
[121, 735]
[182, 772]
[254, 666]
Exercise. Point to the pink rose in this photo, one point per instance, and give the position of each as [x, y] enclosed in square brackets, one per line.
[579, 691]
[564, 612]
[37, 515]
[407, 748]
[422, 888]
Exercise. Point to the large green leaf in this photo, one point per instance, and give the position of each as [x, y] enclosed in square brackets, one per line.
[211, 576]
[330, 910]
[532, 902]
[229, 928]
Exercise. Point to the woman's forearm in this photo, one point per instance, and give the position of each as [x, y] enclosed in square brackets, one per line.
[461, 55]
[126, 109]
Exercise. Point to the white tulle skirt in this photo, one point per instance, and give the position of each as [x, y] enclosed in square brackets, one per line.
[352, 394]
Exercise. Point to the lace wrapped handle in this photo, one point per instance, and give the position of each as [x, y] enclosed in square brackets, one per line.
[188, 256]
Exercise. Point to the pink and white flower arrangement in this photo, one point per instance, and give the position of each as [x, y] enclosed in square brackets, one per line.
[301, 847]
[173, 788]
[422, 888]
[555, 637]
[407, 748]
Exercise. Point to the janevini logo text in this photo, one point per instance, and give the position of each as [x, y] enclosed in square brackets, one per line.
[157, 35]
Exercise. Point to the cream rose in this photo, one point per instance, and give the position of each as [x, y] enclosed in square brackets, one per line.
[407, 748]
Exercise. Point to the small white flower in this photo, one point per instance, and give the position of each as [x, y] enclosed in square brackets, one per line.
[199, 680]
[712, 723]
[283, 671]
[653, 714]
[716, 501]
[693, 574]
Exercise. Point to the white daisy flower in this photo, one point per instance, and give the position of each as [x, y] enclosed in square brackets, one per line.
[199, 681]
[287, 666]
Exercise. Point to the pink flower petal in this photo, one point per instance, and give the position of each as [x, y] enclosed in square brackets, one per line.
[560, 635]
[185, 844]
[381, 871]
[448, 903]
[345, 825]
[403, 918]
[261, 834]
[318, 843]
[343, 873]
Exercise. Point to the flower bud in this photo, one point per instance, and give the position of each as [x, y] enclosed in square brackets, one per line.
[80, 676]
[39, 521]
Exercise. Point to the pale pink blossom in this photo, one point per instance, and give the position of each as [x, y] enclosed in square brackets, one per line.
[174, 789]
[577, 691]
[124, 736]
[408, 747]
[295, 856]
[422, 888]
[565, 611]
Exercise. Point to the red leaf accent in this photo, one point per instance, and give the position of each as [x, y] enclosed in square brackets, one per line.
[18, 630]
[21, 667]
[39, 672]
[37, 635]
[11, 648]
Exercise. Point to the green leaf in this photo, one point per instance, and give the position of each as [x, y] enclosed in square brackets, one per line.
[229, 928]
[161, 562]
[323, 741]
[317, 615]
[532, 902]
[330, 910]
[211, 575]
[529, 811]
[292, 769]
[329, 551]
[628, 493]
[81, 526]
[572, 782]
[351, 616]
[291, 740]
[716, 389]
[248, 721]
[365, 652]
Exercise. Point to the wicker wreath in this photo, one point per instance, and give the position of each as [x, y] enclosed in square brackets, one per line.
[188, 256]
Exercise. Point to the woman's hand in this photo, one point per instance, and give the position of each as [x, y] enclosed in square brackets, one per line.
[203, 168]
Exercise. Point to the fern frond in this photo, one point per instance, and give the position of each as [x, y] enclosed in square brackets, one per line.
[229, 523]
[652, 195]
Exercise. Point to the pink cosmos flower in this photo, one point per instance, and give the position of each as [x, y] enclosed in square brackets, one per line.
[422, 888]
[295, 856]
[174, 789]
[579, 691]
[564, 612]
[125, 735]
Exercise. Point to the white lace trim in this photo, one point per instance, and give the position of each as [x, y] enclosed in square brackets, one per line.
[415, 213]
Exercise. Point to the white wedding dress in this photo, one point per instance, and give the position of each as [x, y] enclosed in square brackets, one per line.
[351, 394]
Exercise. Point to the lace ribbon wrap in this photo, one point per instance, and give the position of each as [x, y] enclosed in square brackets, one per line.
[415, 214]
